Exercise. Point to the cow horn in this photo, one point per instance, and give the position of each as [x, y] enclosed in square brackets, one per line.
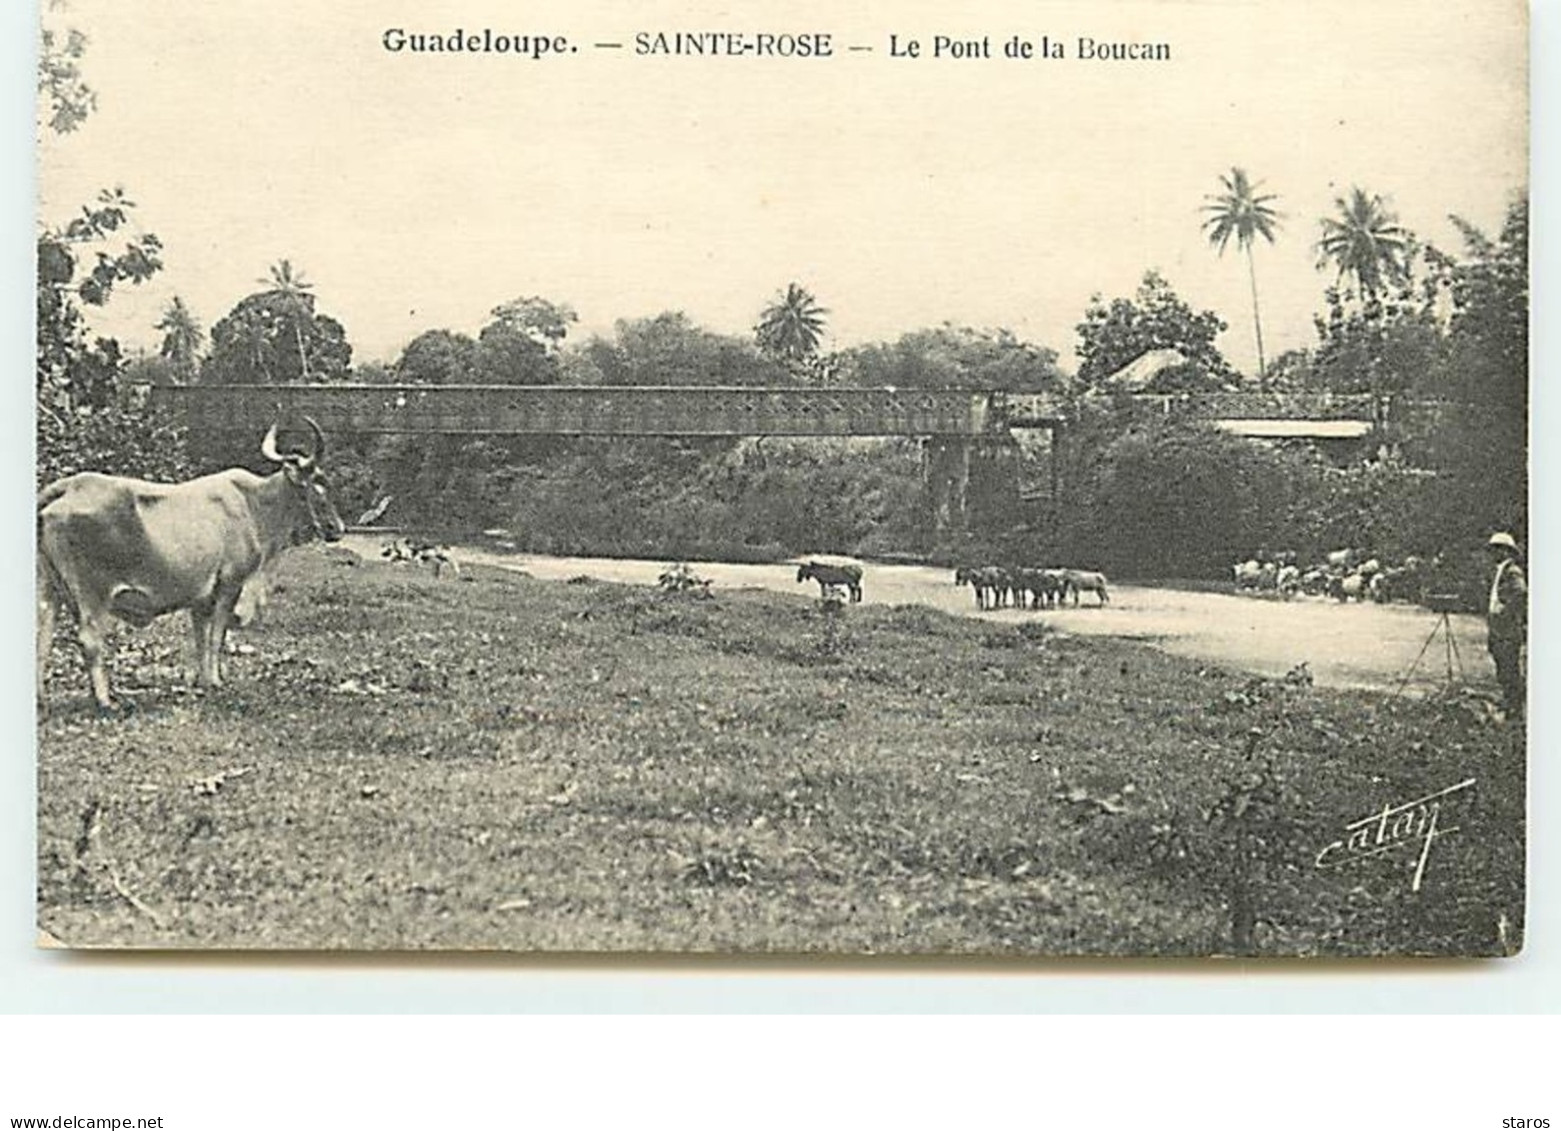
[268, 446]
[319, 440]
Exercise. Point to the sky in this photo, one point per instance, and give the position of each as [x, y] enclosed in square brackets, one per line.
[420, 191]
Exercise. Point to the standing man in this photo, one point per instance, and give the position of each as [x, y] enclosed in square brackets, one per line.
[1507, 620]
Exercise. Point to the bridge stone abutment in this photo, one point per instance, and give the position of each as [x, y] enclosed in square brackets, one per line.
[946, 471]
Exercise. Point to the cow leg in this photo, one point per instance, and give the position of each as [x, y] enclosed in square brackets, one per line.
[200, 638]
[93, 622]
[221, 619]
[92, 634]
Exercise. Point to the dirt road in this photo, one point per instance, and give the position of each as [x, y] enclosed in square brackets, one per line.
[1364, 646]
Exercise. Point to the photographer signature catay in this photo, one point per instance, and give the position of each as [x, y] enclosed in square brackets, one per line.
[1414, 823]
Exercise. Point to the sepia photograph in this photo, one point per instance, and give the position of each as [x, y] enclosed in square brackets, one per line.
[1016, 481]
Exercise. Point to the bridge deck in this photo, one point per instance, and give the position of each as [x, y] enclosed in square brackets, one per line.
[577, 410]
[706, 410]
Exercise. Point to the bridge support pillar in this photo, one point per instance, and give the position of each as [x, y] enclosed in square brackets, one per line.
[947, 470]
[1055, 462]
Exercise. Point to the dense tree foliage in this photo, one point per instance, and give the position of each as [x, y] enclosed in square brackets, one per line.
[953, 357]
[276, 337]
[1187, 500]
[437, 357]
[1119, 332]
[521, 343]
[1488, 326]
[1479, 442]
[72, 371]
[670, 349]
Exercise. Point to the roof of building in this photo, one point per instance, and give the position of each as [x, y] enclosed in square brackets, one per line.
[1297, 429]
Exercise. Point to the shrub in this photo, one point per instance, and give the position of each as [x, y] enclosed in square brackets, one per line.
[123, 437]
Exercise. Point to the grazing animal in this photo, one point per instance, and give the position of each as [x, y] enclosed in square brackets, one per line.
[1055, 584]
[1028, 592]
[1288, 581]
[846, 574]
[1000, 583]
[1380, 586]
[968, 576]
[127, 548]
[1247, 573]
[1353, 586]
[992, 584]
[1043, 585]
[980, 580]
[1314, 582]
[1340, 561]
[1089, 581]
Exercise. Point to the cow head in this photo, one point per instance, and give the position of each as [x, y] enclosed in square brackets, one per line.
[303, 473]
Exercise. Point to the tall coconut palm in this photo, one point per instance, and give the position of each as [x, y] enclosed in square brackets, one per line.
[791, 327]
[290, 283]
[1241, 211]
[1366, 242]
[285, 279]
[182, 337]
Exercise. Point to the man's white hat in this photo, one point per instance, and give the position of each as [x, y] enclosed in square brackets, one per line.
[1503, 539]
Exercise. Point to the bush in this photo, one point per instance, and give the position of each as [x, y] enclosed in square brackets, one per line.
[123, 437]
[1179, 500]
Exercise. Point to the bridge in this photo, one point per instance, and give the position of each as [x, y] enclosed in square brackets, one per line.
[711, 410]
[952, 421]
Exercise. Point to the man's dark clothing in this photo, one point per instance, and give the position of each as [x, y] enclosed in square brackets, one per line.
[1507, 621]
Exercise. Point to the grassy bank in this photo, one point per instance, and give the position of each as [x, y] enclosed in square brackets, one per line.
[501, 762]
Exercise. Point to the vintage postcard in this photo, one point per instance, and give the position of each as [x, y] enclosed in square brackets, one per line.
[1002, 479]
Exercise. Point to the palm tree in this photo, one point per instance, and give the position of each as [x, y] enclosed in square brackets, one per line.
[1241, 212]
[791, 326]
[283, 278]
[293, 286]
[1365, 241]
[182, 337]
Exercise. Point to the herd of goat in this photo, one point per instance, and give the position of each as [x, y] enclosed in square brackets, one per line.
[1344, 575]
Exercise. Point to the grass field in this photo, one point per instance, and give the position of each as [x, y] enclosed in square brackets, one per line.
[501, 762]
